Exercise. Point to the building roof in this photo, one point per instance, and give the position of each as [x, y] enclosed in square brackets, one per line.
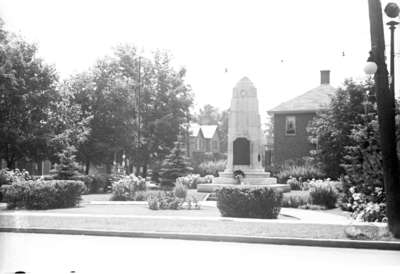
[208, 131]
[311, 101]
[194, 129]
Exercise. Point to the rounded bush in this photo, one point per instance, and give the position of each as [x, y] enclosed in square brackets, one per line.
[43, 194]
[262, 203]
[125, 189]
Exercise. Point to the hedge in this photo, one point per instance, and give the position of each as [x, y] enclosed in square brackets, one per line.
[43, 194]
[264, 203]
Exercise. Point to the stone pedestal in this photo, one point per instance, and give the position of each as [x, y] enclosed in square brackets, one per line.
[245, 141]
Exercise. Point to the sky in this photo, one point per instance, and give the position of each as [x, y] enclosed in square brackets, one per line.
[280, 45]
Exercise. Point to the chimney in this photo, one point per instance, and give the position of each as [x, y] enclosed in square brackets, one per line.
[325, 77]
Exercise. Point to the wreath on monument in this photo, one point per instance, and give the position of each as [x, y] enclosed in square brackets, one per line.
[238, 175]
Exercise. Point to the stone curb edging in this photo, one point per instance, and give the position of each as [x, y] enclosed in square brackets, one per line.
[337, 243]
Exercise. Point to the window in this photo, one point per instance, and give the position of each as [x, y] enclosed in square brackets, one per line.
[290, 125]
[198, 143]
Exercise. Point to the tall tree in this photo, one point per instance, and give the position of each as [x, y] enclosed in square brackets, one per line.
[27, 89]
[330, 131]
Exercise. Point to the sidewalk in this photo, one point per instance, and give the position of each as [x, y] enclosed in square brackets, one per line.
[294, 226]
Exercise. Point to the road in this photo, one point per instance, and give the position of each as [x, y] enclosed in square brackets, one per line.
[46, 253]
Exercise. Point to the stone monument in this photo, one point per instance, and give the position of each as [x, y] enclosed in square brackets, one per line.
[245, 143]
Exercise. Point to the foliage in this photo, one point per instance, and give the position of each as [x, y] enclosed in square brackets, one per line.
[8, 177]
[67, 167]
[212, 167]
[369, 207]
[192, 180]
[164, 200]
[249, 203]
[101, 182]
[199, 157]
[295, 199]
[121, 106]
[43, 194]
[180, 190]
[323, 193]
[330, 131]
[175, 165]
[27, 90]
[294, 183]
[301, 173]
[125, 189]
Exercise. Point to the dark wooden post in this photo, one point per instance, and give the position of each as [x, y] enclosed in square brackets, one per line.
[386, 119]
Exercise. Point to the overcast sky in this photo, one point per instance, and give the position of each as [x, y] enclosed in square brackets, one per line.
[280, 45]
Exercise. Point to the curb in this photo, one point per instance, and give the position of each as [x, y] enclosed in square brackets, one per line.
[381, 245]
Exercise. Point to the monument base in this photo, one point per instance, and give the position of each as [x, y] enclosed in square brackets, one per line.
[254, 178]
[209, 188]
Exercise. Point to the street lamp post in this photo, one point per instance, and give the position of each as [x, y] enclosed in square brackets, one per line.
[392, 11]
[386, 113]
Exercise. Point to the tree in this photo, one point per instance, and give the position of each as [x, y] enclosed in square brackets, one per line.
[175, 165]
[27, 89]
[164, 103]
[208, 115]
[330, 130]
[138, 107]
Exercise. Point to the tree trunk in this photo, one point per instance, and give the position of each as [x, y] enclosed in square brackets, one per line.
[87, 167]
[10, 161]
[144, 172]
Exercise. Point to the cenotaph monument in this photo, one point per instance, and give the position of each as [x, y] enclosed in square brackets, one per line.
[245, 144]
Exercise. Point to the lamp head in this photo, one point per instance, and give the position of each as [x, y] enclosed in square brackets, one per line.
[392, 10]
[371, 67]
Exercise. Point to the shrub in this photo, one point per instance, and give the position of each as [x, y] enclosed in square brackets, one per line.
[43, 194]
[302, 173]
[192, 180]
[212, 167]
[8, 177]
[323, 193]
[249, 203]
[294, 184]
[164, 200]
[180, 190]
[125, 188]
[86, 179]
[100, 183]
[365, 207]
[295, 199]
[140, 196]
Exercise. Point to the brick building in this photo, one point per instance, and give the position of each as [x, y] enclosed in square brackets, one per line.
[291, 118]
[203, 138]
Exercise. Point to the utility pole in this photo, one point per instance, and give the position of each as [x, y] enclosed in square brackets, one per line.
[386, 119]
[138, 117]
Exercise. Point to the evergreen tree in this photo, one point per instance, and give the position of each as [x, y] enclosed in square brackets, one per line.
[331, 130]
[67, 167]
[175, 165]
